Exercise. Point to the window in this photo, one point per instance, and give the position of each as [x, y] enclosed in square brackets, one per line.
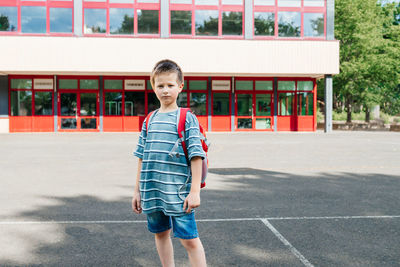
[264, 23]
[43, 103]
[148, 21]
[95, 20]
[207, 22]
[232, 23]
[61, 20]
[285, 104]
[121, 20]
[221, 104]
[289, 24]
[289, 3]
[305, 103]
[181, 22]
[8, 18]
[21, 103]
[33, 19]
[314, 24]
[135, 103]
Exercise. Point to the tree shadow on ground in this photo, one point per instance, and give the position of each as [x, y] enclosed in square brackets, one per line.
[230, 193]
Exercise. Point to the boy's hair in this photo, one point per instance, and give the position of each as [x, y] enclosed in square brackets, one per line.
[166, 66]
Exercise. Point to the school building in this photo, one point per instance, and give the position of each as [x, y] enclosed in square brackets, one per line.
[84, 65]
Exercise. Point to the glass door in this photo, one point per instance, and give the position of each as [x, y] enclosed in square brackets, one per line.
[78, 111]
[244, 111]
[264, 112]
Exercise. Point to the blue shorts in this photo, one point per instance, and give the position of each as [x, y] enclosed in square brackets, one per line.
[184, 227]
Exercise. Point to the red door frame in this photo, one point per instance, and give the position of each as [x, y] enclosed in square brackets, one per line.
[78, 91]
[254, 94]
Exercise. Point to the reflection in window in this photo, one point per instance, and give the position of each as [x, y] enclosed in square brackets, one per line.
[264, 23]
[263, 105]
[232, 2]
[33, 19]
[21, 103]
[244, 85]
[263, 123]
[95, 20]
[286, 85]
[289, 24]
[181, 22]
[152, 102]
[198, 103]
[207, 2]
[88, 104]
[182, 100]
[8, 18]
[244, 105]
[305, 103]
[232, 23]
[67, 84]
[147, 21]
[285, 104]
[221, 104]
[68, 104]
[207, 22]
[113, 103]
[88, 123]
[180, 1]
[61, 20]
[305, 85]
[245, 123]
[197, 85]
[314, 24]
[113, 84]
[43, 103]
[89, 84]
[21, 83]
[289, 3]
[319, 3]
[121, 21]
[68, 123]
[134, 103]
[264, 2]
[264, 85]
[147, 1]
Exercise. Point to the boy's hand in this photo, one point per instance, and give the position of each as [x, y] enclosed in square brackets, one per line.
[136, 203]
[192, 201]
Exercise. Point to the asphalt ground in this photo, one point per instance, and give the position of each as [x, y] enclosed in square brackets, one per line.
[272, 199]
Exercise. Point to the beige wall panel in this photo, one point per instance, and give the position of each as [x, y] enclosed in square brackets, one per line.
[92, 55]
[4, 125]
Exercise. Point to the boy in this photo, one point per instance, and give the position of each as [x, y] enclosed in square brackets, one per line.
[167, 188]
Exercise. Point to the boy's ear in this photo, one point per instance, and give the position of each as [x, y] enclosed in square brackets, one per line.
[181, 87]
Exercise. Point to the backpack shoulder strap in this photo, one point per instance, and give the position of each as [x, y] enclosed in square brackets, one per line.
[149, 117]
[180, 123]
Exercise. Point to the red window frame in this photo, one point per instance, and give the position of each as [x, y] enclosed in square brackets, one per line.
[135, 6]
[302, 9]
[188, 90]
[193, 7]
[46, 3]
[254, 94]
[33, 90]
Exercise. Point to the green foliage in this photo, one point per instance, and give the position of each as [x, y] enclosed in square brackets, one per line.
[4, 23]
[369, 53]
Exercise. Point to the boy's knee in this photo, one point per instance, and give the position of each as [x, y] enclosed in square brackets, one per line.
[191, 244]
[163, 235]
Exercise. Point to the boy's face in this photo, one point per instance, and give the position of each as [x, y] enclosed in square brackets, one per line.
[167, 89]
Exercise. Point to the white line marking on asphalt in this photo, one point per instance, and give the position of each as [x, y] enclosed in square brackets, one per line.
[287, 243]
[207, 220]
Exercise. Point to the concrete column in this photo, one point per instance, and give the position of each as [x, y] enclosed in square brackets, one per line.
[55, 101]
[330, 20]
[233, 105]
[78, 19]
[164, 20]
[209, 97]
[328, 103]
[275, 104]
[248, 19]
[101, 103]
[4, 119]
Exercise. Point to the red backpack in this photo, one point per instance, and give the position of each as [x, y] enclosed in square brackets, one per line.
[181, 119]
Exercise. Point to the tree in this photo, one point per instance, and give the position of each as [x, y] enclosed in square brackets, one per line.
[4, 23]
[364, 53]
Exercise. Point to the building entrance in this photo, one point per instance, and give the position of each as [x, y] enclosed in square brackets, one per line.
[78, 111]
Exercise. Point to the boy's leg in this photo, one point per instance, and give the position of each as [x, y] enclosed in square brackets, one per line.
[164, 248]
[194, 247]
[160, 224]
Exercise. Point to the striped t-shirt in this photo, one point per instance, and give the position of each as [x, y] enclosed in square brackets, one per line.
[162, 176]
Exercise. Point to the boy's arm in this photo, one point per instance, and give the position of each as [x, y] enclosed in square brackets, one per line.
[193, 199]
[136, 191]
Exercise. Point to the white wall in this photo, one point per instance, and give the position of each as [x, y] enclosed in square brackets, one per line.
[136, 56]
[4, 125]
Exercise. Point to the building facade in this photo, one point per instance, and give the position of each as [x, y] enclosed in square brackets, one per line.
[84, 65]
